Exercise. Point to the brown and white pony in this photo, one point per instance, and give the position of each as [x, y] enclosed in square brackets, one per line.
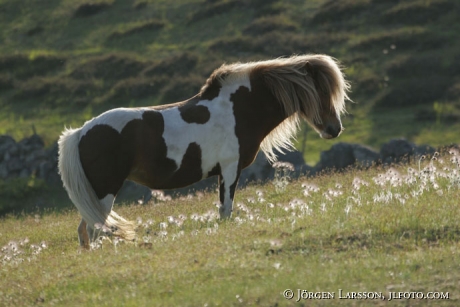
[241, 108]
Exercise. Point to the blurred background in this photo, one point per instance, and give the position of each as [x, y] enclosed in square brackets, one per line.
[63, 62]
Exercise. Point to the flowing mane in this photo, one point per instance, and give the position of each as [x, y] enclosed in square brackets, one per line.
[297, 86]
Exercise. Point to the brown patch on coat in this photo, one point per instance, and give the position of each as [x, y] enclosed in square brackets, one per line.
[212, 87]
[190, 168]
[257, 113]
[194, 114]
[137, 153]
[151, 166]
[104, 159]
[216, 170]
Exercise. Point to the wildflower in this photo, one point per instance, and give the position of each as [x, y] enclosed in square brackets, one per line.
[323, 207]
[182, 217]
[334, 193]
[283, 165]
[281, 178]
[242, 207]
[239, 220]
[179, 222]
[347, 209]
[24, 241]
[116, 241]
[210, 216]
[310, 187]
[162, 234]
[357, 183]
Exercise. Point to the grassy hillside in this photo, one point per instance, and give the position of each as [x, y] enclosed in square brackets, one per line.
[382, 231]
[62, 61]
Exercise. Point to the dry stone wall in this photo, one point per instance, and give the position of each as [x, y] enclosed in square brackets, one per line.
[29, 157]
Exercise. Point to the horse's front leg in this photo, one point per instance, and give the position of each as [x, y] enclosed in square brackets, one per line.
[227, 185]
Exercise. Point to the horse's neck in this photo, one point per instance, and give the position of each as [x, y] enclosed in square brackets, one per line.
[255, 109]
[257, 113]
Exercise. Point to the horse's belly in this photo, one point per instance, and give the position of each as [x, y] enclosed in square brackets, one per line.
[166, 174]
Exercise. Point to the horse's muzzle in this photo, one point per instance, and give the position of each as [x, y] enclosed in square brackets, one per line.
[331, 132]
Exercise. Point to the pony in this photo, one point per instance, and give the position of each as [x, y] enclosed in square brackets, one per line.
[242, 107]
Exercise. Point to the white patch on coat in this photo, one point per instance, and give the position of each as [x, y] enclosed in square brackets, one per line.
[116, 118]
[216, 137]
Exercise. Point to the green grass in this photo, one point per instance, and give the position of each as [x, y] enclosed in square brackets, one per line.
[378, 230]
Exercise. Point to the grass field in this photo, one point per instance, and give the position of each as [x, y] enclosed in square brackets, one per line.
[386, 230]
[379, 231]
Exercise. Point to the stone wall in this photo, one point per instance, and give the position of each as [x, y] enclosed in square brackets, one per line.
[29, 157]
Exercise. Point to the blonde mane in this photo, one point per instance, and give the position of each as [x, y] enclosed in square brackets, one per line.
[295, 82]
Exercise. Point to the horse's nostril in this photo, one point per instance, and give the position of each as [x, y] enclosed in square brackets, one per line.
[333, 131]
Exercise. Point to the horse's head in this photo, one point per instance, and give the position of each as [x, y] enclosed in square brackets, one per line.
[311, 87]
[330, 95]
[330, 125]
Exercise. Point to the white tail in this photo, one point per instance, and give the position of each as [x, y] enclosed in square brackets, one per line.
[82, 193]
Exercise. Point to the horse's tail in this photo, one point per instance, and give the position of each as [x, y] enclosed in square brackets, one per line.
[82, 193]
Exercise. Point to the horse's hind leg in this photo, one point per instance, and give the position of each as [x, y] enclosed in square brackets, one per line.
[87, 234]
[83, 236]
[106, 163]
[107, 203]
